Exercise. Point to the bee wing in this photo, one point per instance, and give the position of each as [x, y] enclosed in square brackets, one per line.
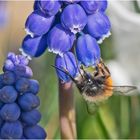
[123, 90]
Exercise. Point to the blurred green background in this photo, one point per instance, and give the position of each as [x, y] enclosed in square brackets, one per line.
[119, 117]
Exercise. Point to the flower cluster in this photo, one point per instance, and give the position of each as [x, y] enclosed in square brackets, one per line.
[19, 116]
[65, 26]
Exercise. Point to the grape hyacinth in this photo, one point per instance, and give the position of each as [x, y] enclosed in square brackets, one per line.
[19, 116]
[72, 29]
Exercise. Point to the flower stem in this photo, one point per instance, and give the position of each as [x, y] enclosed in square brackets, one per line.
[67, 111]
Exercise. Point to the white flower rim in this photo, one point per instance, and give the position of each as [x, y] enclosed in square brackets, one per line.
[25, 54]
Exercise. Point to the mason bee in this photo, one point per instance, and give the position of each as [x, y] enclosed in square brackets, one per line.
[97, 86]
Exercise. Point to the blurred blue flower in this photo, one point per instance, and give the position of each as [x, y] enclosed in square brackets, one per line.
[60, 40]
[98, 26]
[34, 47]
[18, 99]
[66, 63]
[74, 18]
[38, 23]
[3, 13]
[49, 8]
[87, 50]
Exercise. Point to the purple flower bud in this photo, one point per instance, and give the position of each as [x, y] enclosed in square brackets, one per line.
[94, 6]
[34, 86]
[23, 71]
[60, 40]
[102, 5]
[10, 112]
[70, 1]
[34, 132]
[28, 101]
[8, 94]
[14, 60]
[38, 24]
[22, 85]
[8, 78]
[11, 56]
[68, 63]
[89, 46]
[98, 26]
[49, 8]
[11, 130]
[8, 65]
[31, 117]
[74, 18]
[89, 6]
[22, 60]
[34, 46]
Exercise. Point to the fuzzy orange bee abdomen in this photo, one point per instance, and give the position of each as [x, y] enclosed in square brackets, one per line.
[108, 89]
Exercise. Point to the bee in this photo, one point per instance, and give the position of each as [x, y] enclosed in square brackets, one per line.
[97, 86]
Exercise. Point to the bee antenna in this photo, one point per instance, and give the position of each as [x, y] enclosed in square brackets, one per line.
[64, 71]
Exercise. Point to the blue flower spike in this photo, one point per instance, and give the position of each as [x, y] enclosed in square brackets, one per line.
[38, 23]
[34, 47]
[98, 26]
[89, 46]
[66, 63]
[74, 18]
[18, 99]
[49, 8]
[60, 40]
